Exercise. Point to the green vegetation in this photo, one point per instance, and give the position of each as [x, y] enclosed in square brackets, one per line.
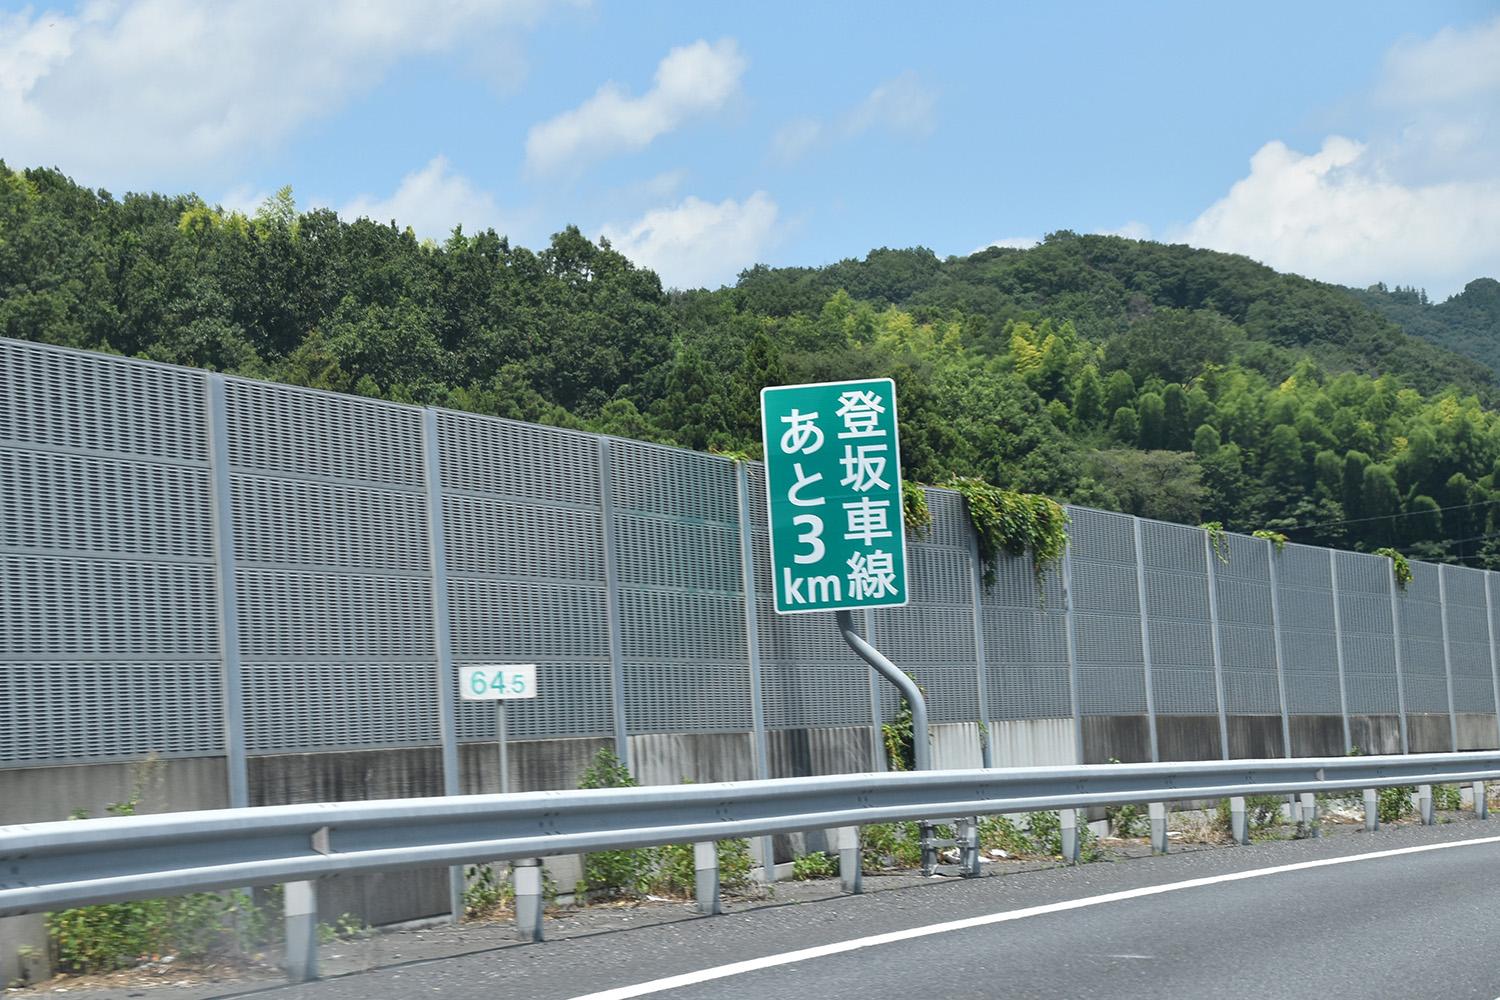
[1400, 568]
[1160, 380]
[668, 869]
[815, 865]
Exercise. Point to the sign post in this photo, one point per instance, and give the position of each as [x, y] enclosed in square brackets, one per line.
[499, 684]
[833, 499]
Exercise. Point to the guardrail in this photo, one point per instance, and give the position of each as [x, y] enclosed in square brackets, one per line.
[49, 866]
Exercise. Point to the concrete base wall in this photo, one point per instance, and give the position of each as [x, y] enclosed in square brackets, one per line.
[1034, 742]
[955, 746]
[672, 758]
[1428, 734]
[1477, 732]
[796, 753]
[1125, 738]
[1376, 734]
[1255, 737]
[1189, 737]
[49, 794]
[1317, 736]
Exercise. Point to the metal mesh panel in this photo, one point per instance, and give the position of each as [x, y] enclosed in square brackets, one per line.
[1423, 670]
[75, 401]
[1369, 639]
[334, 590]
[331, 705]
[1026, 643]
[299, 432]
[1247, 641]
[1182, 664]
[109, 633]
[682, 613]
[525, 558]
[808, 675]
[95, 506]
[1308, 644]
[71, 710]
[508, 459]
[1468, 640]
[1106, 618]
[651, 479]
[933, 636]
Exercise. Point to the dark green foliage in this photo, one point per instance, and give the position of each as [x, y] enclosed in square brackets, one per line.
[1167, 381]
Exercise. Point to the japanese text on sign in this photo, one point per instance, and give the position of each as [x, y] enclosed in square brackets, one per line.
[833, 486]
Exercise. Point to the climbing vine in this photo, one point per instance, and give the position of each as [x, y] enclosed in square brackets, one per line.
[1276, 538]
[1217, 540]
[914, 507]
[1011, 522]
[1399, 565]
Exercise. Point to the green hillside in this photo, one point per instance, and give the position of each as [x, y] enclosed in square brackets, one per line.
[1467, 323]
[1165, 381]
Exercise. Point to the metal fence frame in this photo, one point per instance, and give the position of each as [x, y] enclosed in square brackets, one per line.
[389, 544]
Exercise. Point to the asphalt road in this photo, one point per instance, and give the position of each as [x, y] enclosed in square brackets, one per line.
[1420, 924]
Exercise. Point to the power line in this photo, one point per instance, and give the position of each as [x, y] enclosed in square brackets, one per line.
[1392, 517]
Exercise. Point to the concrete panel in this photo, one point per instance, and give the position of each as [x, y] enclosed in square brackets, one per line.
[24, 957]
[535, 765]
[1428, 733]
[1188, 737]
[798, 752]
[672, 758]
[1376, 734]
[45, 794]
[1034, 742]
[1256, 737]
[1125, 738]
[1317, 736]
[410, 772]
[955, 745]
[1477, 732]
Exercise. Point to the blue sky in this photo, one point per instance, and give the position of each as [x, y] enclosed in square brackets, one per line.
[1354, 142]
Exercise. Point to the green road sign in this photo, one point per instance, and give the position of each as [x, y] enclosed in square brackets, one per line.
[833, 492]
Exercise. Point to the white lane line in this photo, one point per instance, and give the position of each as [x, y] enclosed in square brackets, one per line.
[891, 937]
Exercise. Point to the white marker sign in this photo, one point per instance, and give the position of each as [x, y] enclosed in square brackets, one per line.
[494, 683]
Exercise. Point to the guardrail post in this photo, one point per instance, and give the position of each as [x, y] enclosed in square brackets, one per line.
[300, 907]
[1239, 823]
[1481, 804]
[1158, 811]
[1068, 819]
[706, 876]
[1372, 810]
[1310, 814]
[1424, 804]
[850, 873]
[527, 873]
[967, 830]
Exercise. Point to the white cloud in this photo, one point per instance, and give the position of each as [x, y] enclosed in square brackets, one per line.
[902, 106]
[123, 91]
[1010, 243]
[696, 243]
[1453, 65]
[1132, 230]
[691, 81]
[431, 201]
[1416, 203]
[1336, 215]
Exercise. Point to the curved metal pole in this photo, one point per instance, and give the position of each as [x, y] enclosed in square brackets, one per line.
[921, 741]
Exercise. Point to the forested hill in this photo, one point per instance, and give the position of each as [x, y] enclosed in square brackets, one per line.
[1165, 381]
[1468, 323]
